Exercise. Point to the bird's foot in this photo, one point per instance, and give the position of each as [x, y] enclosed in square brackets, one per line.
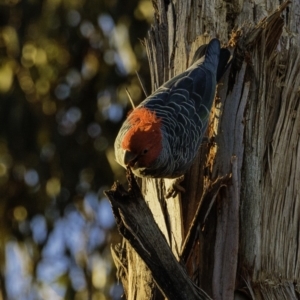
[175, 187]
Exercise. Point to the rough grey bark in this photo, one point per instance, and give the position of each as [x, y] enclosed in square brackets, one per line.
[245, 240]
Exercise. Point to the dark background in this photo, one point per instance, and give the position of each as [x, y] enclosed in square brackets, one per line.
[64, 67]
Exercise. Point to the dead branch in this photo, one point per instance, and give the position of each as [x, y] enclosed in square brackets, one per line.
[136, 224]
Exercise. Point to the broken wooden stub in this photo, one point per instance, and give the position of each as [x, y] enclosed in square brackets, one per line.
[136, 224]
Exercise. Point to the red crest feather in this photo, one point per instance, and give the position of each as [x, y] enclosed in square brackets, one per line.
[145, 129]
[143, 117]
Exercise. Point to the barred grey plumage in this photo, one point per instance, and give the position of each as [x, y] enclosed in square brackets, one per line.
[162, 136]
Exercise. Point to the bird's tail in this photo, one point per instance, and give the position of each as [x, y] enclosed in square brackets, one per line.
[213, 58]
[224, 62]
[212, 55]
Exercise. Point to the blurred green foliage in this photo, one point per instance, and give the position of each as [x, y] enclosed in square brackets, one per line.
[64, 67]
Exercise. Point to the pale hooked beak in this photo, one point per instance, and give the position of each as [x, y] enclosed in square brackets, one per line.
[130, 158]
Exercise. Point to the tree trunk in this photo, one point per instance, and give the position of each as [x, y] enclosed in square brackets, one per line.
[237, 237]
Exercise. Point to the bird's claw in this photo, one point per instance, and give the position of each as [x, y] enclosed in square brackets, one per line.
[175, 188]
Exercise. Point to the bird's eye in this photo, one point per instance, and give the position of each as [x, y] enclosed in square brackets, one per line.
[145, 151]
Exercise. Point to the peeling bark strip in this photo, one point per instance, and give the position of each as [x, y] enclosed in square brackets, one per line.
[135, 222]
[230, 154]
[203, 210]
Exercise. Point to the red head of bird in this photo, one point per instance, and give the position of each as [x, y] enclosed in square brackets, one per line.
[143, 141]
